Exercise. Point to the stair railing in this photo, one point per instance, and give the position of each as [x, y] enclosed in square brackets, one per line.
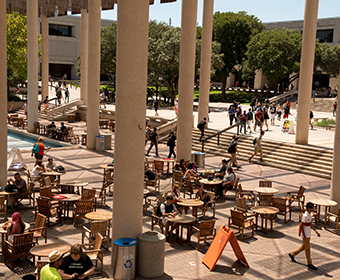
[62, 108]
[218, 133]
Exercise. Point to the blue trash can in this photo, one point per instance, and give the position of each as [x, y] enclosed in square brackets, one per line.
[125, 258]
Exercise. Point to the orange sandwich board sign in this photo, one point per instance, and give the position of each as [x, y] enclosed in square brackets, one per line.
[216, 248]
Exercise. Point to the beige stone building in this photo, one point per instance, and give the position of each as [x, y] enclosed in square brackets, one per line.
[65, 44]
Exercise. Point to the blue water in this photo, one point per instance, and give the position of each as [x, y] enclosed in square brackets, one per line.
[25, 142]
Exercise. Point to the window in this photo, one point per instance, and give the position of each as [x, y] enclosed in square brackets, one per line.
[325, 35]
[60, 30]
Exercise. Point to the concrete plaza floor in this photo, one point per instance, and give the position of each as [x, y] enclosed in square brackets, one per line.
[267, 254]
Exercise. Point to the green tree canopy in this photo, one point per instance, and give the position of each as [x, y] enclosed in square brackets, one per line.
[234, 31]
[327, 59]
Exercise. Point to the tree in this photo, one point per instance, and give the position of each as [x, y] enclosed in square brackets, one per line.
[234, 31]
[327, 59]
[275, 53]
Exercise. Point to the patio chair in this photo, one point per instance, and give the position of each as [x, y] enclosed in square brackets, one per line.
[29, 195]
[177, 178]
[73, 138]
[156, 220]
[96, 253]
[46, 192]
[205, 232]
[265, 184]
[19, 248]
[188, 188]
[239, 221]
[210, 205]
[49, 210]
[101, 227]
[160, 167]
[147, 165]
[40, 265]
[248, 195]
[36, 128]
[81, 208]
[90, 194]
[241, 205]
[265, 200]
[100, 194]
[284, 207]
[39, 229]
[298, 196]
[330, 217]
[235, 187]
[67, 189]
[153, 183]
[3, 207]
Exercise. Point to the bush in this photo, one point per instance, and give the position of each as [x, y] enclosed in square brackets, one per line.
[325, 122]
[12, 97]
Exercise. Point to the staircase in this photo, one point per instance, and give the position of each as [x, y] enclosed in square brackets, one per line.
[59, 113]
[311, 160]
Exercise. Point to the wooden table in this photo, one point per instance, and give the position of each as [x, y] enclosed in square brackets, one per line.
[100, 216]
[71, 117]
[51, 174]
[44, 250]
[266, 191]
[11, 195]
[3, 231]
[194, 203]
[265, 211]
[108, 168]
[327, 203]
[178, 223]
[69, 198]
[212, 183]
[103, 123]
[77, 184]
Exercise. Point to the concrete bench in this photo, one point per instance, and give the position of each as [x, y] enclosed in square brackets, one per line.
[319, 119]
[330, 126]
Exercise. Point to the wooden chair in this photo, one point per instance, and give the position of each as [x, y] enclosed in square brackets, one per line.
[100, 194]
[160, 167]
[284, 207]
[49, 210]
[239, 221]
[3, 207]
[64, 135]
[39, 229]
[67, 189]
[30, 196]
[46, 192]
[265, 184]
[19, 248]
[210, 205]
[101, 227]
[177, 179]
[40, 265]
[248, 195]
[265, 200]
[330, 217]
[235, 186]
[205, 232]
[189, 190]
[241, 205]
[156, 220]
[73, 138]
[96, 253]
[90, 194]
[36, 128]
[81, 208]
[298, 196]
[153, 183]
[147, 165]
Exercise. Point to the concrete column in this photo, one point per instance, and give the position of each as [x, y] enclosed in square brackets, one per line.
[132, 61]
[230, 80]
[335, 182]
[32, 63]
[93, 67]
[3, 93]
[84, 55]
[208, 12]
[45, 56]
[306, 71]
[186, 78]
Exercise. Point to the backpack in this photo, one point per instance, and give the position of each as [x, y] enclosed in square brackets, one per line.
[311, 115]
[35, 149]
[200, 125]
[150, 174]
[254, 141]
[11, 188]
[232, 148]
[159, 213]
[60, 169]
[153, 136]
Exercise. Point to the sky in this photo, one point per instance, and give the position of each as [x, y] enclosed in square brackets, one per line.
[265, 10]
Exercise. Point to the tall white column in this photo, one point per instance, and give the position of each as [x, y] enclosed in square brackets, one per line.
[132, 61]
[84, 55]
[32, 63]
[3, 93]
[45, 56]
[306, 71]
[186, 78]
[208, 12]
[93, 81]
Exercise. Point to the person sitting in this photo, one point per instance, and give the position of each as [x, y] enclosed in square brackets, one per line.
[20, 185]
[63, 127]
[37, 170]
[167, 208]
[227, 183]
[49, 271]
[176, 196]
[17, 226]
[76, 265]
[50, 165]
[223, 169]
[203, 195]
[182, 164]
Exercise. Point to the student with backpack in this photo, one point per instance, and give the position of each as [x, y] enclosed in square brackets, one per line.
[201, 126]
[232, 150]
[38, 150]
[154, 141]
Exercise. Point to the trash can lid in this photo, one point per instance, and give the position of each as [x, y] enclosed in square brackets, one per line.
[99, 136]
[125, 242]
[199, 153]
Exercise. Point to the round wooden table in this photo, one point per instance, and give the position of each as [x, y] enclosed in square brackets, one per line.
[265, 211]
[212, 184]
[178, 223]
[99, 216]
[51, 174]
[44, 250]
[266, 191]
[327, 203]
[77, 184]
[69, 198]
[11, 195]
[194, 203]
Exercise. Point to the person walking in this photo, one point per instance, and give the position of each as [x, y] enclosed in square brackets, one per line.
[154, 141]
[67, 96]
[243, 120]
[156, 106]
[201, 126]
[232, 150]
[231, 114]
[171, 144]
[334, 108]
[272, 110]
[250, 119]
[305, 228]
[258, 147]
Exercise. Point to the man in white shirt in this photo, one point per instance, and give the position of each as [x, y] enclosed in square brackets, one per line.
[305, 228]
[258, 147]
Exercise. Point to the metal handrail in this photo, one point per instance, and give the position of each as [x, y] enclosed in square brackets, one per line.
[219, 133]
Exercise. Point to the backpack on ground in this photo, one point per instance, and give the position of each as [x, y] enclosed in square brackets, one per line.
[35, 148]
[254, 141]
[232, 148]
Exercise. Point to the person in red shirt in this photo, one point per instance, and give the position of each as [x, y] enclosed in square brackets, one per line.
[39, 156]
